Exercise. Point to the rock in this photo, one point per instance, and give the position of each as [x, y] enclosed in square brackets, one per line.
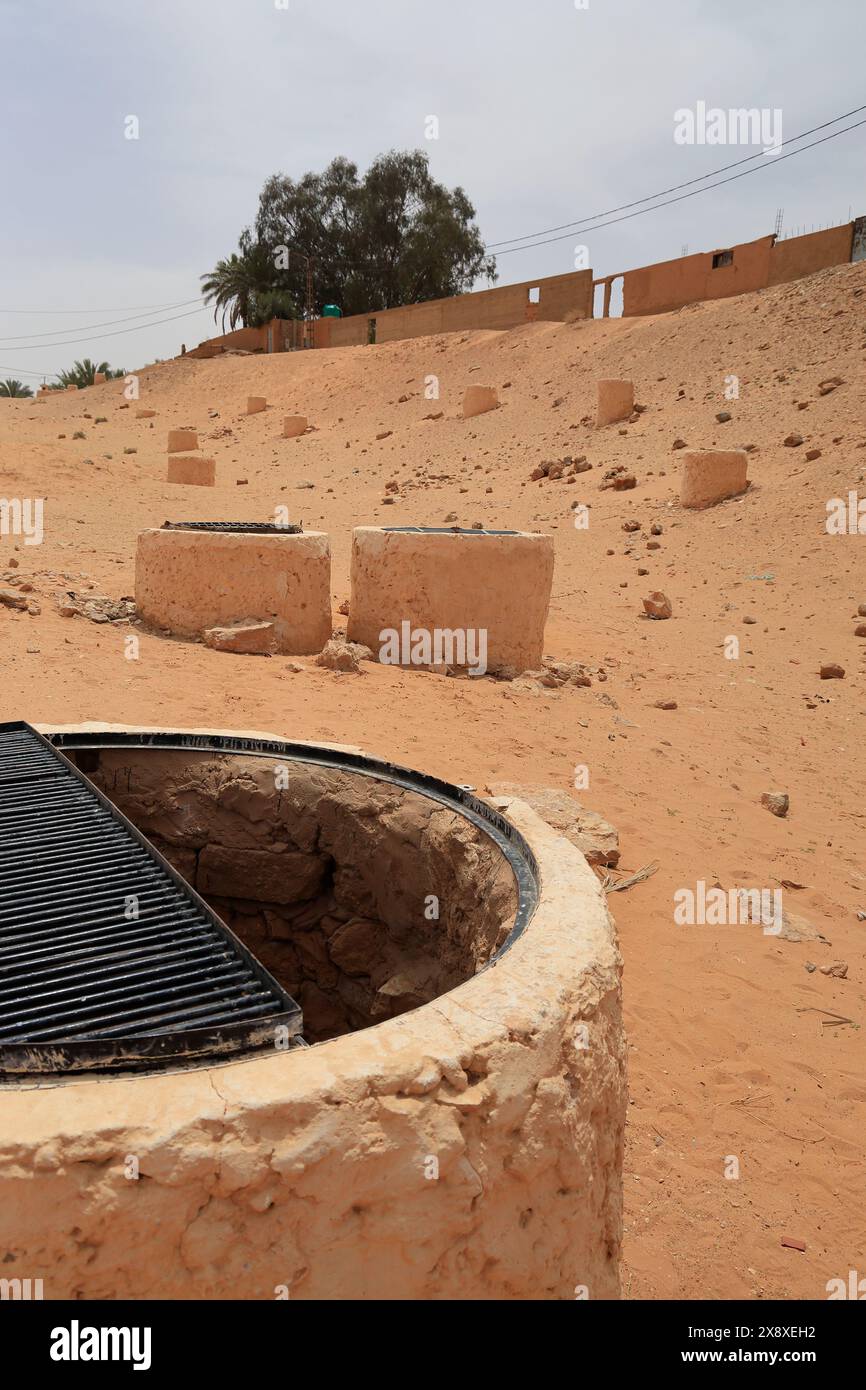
[837, 968]
[595, 837]
[861, 610]
[344, 608]
[618, 478]
[340, 655]
[860, 630]
[793, 441]
[10, 599]
[679, 444]
[665, 704]
[656, 529]
[268, 875]
[658, 605]
[357, 946]
[631, 525]
[747, 618]
[812, 454]
[723, 417]
[248, 639]
[777, 802]
[384, 434]
[832, 671]
[825, 387]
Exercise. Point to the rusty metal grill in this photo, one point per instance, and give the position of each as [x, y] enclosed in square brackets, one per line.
[108, 958]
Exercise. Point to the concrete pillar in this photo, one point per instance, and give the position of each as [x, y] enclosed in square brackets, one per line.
[710, 476]
[186, 468]
[615, 401]
[477, 400]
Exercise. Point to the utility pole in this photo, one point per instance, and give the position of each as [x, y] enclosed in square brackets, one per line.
[308, 306]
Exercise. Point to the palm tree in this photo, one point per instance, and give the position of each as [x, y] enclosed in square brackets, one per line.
[245, 287]
[83, 373]
[11, 387]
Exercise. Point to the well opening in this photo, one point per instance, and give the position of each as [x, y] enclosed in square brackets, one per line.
[363, 896]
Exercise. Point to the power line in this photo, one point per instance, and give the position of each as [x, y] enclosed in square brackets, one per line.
[689, 182]
[683, 196]
[73, 342]
[127, 309]
[86, 327]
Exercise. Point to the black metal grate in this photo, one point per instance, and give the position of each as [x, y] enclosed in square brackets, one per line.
[448, 531]
[107, 956]
[256, 528]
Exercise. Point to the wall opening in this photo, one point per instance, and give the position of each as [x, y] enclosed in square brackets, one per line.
[371, 330]
[721, 258]
[535, 295]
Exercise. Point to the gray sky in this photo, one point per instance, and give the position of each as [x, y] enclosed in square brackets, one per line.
[547, 114]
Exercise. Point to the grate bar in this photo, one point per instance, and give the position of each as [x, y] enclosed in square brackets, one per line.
[84, 985]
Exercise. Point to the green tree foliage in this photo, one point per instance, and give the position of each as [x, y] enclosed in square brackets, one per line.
[248, 288]
[11, 387]
[83, 373]
[395, 236]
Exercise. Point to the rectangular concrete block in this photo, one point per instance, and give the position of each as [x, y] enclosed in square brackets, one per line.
[181, 441]
[709, 476]
[191, 581]
[293, 425]
[477, 400]
[190, 469]
[448, 581]
[615, 401]
[256, 404]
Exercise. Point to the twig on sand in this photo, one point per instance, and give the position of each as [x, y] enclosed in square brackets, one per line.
[612, 886]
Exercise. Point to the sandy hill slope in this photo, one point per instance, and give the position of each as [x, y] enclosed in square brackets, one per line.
[730, 1052]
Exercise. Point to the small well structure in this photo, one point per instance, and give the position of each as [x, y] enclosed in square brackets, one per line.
[194, 576]
[448, 579]
[454, 1127]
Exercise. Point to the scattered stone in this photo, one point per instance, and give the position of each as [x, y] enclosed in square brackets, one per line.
[384, 434]
[723, 417]
[656, 529]
[793, 441]
[679, 444]
[247, 639]
[631, 525]
[658, 605]
[10, 599]
[825, 387]
[340, 655]
[777, 802]
[665, 704]
[595, 837]
[832, 671]
[860, 630]
[837, 968]
[653, 545]
[812, 454]
[618, 478]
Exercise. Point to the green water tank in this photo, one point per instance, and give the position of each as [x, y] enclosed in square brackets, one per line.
[332, 311]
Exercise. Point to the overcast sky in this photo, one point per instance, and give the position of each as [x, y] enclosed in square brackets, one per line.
[547, 114]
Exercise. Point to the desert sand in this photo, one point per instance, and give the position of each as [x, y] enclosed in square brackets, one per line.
[730, 1050]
